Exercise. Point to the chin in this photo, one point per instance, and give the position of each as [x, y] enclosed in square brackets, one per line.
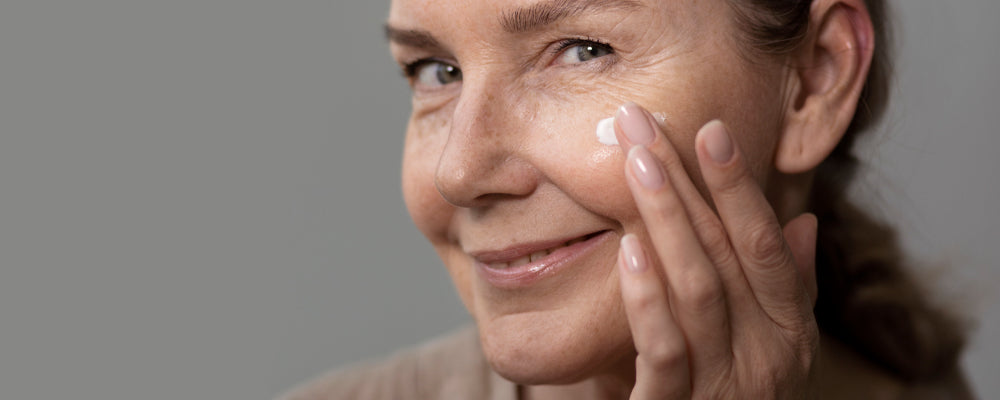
[546, 348]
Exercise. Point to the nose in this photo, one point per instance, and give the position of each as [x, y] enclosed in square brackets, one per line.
[485, 157]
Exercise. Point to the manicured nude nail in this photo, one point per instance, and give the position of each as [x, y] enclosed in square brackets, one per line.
[632, 252]
[717, 142]
[645, 167]
[634, 123]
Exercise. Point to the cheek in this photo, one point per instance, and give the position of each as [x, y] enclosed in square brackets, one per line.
[429, 211]
[595, 176]
[565, 150]
[431, 214]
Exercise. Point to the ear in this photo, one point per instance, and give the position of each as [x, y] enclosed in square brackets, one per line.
[831, 68]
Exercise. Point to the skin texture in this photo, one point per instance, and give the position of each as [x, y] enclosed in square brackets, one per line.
[506, 155]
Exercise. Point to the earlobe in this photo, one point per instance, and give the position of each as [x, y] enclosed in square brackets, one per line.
[831, 67]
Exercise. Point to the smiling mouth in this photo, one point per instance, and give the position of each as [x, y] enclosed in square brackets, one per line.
[522, 265]
[539, 254]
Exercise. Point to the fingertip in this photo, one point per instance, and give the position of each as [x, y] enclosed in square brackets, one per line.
[713, 124]
[715, 142]
[632, 122]
[628, 237]
[804, 226]
[632, 256]
[628, 108]
[726, 172]
[813, 221]
[645, 168]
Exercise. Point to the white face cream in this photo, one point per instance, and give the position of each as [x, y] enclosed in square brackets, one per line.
[606, 128]
[606, 131]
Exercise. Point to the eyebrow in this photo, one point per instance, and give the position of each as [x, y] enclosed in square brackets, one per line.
[411, 37]
[536, 16]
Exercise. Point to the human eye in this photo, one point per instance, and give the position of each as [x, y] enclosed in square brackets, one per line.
[576, 51]
[431, 73]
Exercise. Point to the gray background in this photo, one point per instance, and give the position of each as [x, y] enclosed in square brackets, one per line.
[199, 199]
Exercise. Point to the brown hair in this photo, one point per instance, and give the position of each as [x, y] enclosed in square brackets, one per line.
[867, 297]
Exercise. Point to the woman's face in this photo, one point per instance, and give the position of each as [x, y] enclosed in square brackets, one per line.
[502, 167]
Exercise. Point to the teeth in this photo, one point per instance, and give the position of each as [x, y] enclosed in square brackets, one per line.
[499, 265]
[538, 255]
[520, 261]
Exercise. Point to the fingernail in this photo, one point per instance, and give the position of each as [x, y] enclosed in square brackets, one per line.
[634, 123]
[632, 252]
[717, 142]
[645, 167]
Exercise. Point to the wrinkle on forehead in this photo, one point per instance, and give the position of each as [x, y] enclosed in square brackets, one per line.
[545, 13]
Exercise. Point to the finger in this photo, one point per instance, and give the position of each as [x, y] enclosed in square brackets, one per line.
[800, 234]
[753, 228]
[661, 366]
[698, 298]
[636, 126]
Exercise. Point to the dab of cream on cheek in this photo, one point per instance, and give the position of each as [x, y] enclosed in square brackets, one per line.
[606, 128]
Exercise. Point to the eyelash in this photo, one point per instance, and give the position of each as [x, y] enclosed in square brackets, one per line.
[567, 43]
[410, 68]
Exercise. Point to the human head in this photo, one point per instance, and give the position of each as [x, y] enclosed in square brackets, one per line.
[500, 152]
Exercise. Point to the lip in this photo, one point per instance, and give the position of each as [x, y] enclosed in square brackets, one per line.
[525, 275]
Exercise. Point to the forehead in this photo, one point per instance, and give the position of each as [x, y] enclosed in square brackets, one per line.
[500, 13]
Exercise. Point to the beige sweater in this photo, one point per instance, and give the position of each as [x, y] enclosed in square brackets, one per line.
[453, 367]
[450, 367]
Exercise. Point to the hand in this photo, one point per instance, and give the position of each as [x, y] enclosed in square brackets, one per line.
[720, 306]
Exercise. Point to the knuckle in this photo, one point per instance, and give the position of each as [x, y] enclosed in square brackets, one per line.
[643, 301]
[765, 246]
[700, 291]
[715, 241]
[667, 207]
[663, 355]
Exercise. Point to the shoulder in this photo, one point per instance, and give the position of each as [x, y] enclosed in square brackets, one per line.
[450, 366]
